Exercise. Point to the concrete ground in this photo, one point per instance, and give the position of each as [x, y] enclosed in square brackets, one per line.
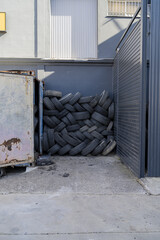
[77, 198]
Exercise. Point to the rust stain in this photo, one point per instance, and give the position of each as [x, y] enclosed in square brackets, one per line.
[8, 144]
[26, 84]
[28, 132]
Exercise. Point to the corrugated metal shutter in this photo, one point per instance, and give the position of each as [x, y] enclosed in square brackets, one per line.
[154, 94]
[74, 29]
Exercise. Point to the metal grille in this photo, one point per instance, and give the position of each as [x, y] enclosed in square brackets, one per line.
[122, 8]
[127, 95]
[154, 94]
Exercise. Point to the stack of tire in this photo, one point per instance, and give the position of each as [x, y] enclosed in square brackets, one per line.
[36, 128]
[78, 125]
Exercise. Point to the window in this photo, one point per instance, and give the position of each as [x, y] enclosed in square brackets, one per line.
[122, 8]
[74, 29]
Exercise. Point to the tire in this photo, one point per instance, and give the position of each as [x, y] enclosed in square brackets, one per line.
[84, 128]
[81, 115]
[101, 110]
[88, 135]
[64, 131]
[99, 149]
[45, 142]
[109, 148]
[110, 126]
[66, 98]
[92, 129]
[54, 149]
[71, 118]
[94, 102]
[45, 128]
[64, 150]
[101, 129]
[111, 111]
[81, 123]
[35, 122]
[59, 139]
[75, 98]
[55, 120]
[48, 103]
[66, 121]
[50, 112]
[73, 128]
[78, 107]
[89, 123]
[103, 98]
[60, 127]
[80, 135]
[97, 135]
[107, 133]
[100, 118]
[57, 103]
[36, 141]
[63, 113]
[69, 107]
[51, 139]
[47, 120]
[77, 149]
[35, 109]
[98, 124]
[90, 147]
[74, 142]
[107, 104]
[86, 99]
[87, 107]
[52, 93]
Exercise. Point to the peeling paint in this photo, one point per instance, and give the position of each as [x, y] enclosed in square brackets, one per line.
[8, 144]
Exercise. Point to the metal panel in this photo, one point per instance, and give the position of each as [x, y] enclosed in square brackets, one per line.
[74, 29]
[154, 94]
[16, 121]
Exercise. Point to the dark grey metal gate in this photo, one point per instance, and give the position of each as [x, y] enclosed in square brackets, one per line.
[154, 94]
[130, 94]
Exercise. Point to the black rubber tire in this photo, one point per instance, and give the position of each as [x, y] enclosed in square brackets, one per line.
[87, 107]
[74, 142]
[66, 121]
[81, 115]
[73, 128]
[111, 111]
[57, 103]
[99, 149]
[111, 145]
[36, 142]
[90, 147]
[45, 128]
[103, 98]
[60, 127]
[45, 142]
[81, 123]
[93, 128]
[65, 99]
[64, 150]
[54, 149]
[110, 126]
[89, 123]
[101, 129]
[76, 150]
[107, 133]
[51, 139]
[88, 135]
[100, 118]
[48, 121]
[55, 120]
[84, 128]
[85, 99]
[63, 113]
[75, 98]
[35, 109]
[52, 93]
[101, 110]
[98, 124]
[78, 107]
[50, 112]
[64, 131]
[48, 103]
[80, 135]
[107, 104]
[97, 135]
[94, 102]
[35, 122]
[71, 118]
[69, 107]
[59, 139]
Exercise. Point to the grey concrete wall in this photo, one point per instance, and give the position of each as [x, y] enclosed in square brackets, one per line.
[28, 29]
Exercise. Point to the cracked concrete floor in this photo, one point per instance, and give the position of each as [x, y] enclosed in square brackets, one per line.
[77, 198]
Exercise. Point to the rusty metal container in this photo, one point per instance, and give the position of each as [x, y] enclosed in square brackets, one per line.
[16, 119]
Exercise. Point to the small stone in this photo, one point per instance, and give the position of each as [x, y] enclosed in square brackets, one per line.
[66, 175]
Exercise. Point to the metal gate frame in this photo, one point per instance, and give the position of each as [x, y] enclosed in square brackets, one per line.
[134, 160]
